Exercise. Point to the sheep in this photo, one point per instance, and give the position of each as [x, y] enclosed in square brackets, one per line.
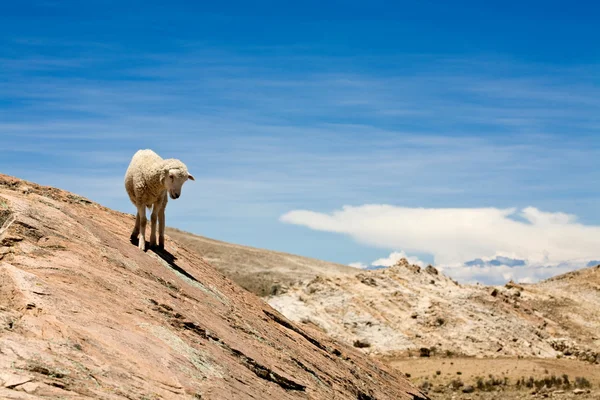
[148, 180]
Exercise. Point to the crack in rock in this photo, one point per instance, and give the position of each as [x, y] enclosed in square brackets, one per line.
[265, 373]
[259, 370]
[300, 332]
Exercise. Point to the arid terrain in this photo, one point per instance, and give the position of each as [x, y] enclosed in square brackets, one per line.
[502, 378]
[515, 331]
[422, 321]
[398, 310]
[84, 314]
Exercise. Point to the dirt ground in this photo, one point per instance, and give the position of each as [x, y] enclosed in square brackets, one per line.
[441, 372]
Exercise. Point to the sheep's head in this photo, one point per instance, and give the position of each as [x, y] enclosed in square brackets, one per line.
[175, 179]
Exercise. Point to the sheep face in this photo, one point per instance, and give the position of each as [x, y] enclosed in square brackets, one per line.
[175, 181]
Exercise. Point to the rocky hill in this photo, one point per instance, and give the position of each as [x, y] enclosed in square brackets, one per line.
[86, 315]
[406, 310]
[263, 272]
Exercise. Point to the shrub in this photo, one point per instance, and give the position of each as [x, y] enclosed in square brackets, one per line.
[425, 386]
[581, 382]
[456, 384]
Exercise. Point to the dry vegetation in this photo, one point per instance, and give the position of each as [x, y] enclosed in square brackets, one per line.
[501, 378]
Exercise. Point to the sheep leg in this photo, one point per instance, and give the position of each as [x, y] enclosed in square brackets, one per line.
[153, 218]
[161, 228]
[142, 233]
[136, 229]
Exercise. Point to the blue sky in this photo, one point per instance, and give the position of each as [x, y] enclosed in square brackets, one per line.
[278, 108]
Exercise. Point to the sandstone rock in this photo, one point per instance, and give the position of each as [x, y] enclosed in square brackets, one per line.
[10, 380]
[95, 317]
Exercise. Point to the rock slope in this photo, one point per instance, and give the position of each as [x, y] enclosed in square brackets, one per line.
[86, 315]
[400, 310]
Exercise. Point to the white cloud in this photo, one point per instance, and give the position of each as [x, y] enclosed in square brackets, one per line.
[394, 257]
[358, 265]
[457, 235]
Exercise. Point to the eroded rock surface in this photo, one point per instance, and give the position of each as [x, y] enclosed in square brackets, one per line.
[86, 314]
[399, 311]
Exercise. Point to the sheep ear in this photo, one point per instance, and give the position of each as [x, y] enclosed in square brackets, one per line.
[191, 177]
[164, 176]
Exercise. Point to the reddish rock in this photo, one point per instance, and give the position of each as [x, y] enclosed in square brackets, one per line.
[86, 314]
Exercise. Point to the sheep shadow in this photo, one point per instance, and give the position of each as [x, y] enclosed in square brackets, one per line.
[170, 259]
[166, 257]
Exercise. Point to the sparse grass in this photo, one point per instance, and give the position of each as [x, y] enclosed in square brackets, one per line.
[491, 383]
[553, 382]
[505, 378]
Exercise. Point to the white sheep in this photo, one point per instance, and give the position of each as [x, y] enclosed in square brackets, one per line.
[147, 181]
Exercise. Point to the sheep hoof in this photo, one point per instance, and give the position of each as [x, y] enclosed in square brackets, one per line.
[157, 246]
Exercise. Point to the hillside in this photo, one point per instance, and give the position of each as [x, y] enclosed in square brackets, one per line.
[515, 332]
[573, 300]
[399, 310]
[262, 272]
[84, 314]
